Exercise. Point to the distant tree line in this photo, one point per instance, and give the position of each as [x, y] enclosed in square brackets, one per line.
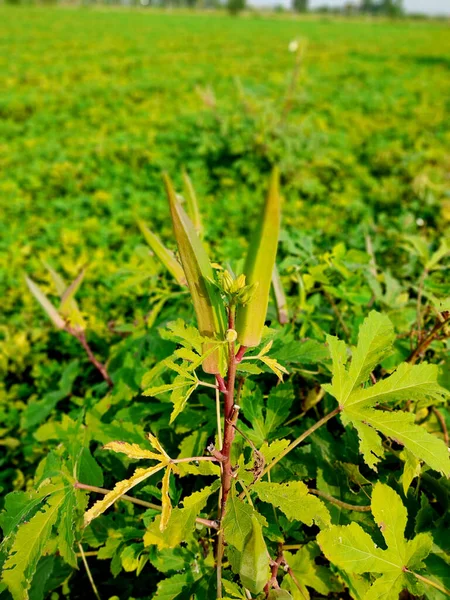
[389, 8]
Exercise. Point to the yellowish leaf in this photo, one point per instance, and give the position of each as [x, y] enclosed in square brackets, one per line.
[165, 498]
[132, 450]
[119, 490]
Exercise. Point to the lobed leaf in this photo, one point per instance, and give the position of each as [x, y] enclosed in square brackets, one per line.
[121, 488]
[295, 501]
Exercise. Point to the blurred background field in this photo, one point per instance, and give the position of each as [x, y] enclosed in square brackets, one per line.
[95, 104]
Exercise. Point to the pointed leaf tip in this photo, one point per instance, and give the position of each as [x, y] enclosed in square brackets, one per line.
[206, 297]
[259, 267]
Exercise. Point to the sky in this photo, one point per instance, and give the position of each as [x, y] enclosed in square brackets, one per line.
[431, 7]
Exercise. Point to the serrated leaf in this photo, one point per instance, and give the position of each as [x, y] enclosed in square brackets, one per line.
[295, 501]
[181, 523]
[411, 469]
[258, 267]
[51, 311]
[157, 444]
[166, 257]
[408, 382]
[308, 574]
[28, 547]
[254, 568]
[237, 523]
[352, 549]
[131, 450]
[172, 587]
[206, 298]
[275, 366]
[179, 397]
[165, 500]
[121, 488]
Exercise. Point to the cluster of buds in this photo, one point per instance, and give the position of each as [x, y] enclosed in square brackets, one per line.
[235, 289]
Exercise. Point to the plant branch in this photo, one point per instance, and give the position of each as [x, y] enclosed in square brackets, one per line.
[104, 491]
[340, 503]
[442, 423]
[425, 343]
[230, 417]
[301, 438]
[427, 581]
[88, 571]
[81, 337]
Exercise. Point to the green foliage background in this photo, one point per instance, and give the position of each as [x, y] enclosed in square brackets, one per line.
[95, 104]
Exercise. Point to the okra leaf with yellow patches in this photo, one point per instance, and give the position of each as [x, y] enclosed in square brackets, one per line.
[165, 499]
[258, 268]
[295, 501]
[358, 405]
[131, 450]
[353, 550]
[121, 488]
[166, 257]
[32, 521]
[182, 520]
[179, 397]
[206, 298]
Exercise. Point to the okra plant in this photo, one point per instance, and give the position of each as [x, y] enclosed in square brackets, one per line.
[265, 517]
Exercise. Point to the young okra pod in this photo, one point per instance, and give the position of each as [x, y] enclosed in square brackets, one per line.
[206, 298]
[259, 267]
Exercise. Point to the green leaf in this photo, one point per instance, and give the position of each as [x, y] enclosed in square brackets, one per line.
[411, 470]
[181, 522]
[279, 595]
[37, 411]
[308, 574]
[258, 268]
[254, 568]
[237, 523]
[408, 382]
[352, 549]
[164, 254]
[206, 298]
[51, 311]
[28, 547]
[172, 587]
[295, 501]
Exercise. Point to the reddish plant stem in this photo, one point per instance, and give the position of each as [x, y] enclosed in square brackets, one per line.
[240, 354]
[274, 571]
[81, 337]
[423, 345]
[229, 431]
[442, 423]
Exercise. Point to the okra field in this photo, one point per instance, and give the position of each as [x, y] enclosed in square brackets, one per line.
[225, 324]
